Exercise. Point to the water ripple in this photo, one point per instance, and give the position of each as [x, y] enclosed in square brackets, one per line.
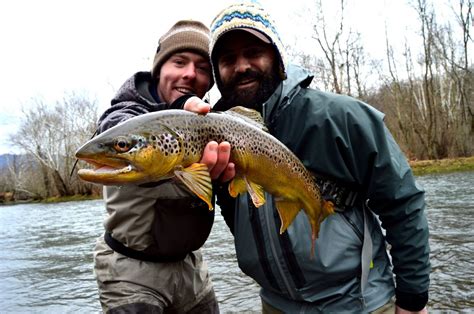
[46, 262]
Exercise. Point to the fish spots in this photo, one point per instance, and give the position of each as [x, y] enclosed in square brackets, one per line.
[167, 143]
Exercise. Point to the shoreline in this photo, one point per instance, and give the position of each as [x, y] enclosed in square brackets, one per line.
[424, 167]
[419, 168]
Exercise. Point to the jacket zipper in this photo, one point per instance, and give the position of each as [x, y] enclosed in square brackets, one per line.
[353, 226]
[268, 220]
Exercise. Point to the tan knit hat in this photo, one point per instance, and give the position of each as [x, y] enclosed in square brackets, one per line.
[184, 35]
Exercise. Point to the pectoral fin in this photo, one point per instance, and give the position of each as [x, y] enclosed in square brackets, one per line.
[196, 177]
[237, 186]
[256, 193]
[241, 185]
[287, 211]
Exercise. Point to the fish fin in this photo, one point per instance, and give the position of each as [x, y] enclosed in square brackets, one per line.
[328, 207]
[256, 193]
[250, 115]
[287, 211]
[196, 177]
[241, 185]
[237, 186]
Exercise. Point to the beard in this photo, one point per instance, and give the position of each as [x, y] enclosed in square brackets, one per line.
[252, 98]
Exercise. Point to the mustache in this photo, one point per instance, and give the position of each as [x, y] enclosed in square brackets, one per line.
[247, 75]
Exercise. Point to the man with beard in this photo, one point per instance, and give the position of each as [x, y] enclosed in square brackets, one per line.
[357, 164]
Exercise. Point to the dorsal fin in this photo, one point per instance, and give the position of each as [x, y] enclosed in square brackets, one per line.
[250, 115]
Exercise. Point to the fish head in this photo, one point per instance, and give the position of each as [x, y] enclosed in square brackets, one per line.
[130, 155]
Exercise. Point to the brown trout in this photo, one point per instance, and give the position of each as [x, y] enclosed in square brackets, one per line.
[169, 143]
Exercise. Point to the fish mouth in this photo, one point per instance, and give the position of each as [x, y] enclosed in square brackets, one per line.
[106, 172]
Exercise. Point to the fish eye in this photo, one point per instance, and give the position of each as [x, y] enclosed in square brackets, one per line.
[122, 144]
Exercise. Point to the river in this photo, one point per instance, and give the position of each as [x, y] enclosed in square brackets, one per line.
[46, 254]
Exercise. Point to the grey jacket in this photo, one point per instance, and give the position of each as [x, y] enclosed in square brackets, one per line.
[343, 139]
[165, 221]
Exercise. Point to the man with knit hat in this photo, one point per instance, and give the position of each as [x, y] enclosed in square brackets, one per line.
[149, 260]
[357, 165]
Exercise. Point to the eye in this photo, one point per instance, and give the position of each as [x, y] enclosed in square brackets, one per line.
[254, 52]
[227, 59]
[122, 144]
[179, 62]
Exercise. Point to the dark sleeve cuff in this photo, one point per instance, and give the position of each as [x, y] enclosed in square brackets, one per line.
[225, 202]
[179, 103]
[411, 301]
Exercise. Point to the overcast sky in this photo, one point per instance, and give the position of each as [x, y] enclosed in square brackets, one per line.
[51, 47]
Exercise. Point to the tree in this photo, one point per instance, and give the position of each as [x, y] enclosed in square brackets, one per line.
[430, 105]
[344, 59]
[50, 135]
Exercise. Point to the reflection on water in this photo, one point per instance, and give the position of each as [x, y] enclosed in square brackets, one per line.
[46, 254]
[451, 217]
[46, 257]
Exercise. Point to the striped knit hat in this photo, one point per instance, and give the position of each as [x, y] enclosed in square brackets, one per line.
[251, 17]
[184, 35]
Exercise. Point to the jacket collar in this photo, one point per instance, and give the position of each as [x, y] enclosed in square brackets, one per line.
[297, 78]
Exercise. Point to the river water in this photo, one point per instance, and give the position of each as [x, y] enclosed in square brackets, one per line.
[46, 254]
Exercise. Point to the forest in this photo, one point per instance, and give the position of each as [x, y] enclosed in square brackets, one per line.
[426, 92]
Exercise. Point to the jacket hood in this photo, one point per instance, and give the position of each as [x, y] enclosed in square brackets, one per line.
[136, 89]
[297, 76]
[297, 79]
[133, 98]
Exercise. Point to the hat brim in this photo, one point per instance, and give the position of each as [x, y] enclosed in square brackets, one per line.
[254, 32]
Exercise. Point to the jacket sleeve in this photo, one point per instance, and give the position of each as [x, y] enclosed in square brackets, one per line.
[350, 143]
[377, 164]
[394, 195]
[120, 112]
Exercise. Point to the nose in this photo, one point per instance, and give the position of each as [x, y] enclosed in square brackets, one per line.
[241, 64]
[189, 71]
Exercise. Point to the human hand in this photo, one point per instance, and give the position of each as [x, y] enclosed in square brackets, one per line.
[197, 105]
[399, 310]
[216, 157]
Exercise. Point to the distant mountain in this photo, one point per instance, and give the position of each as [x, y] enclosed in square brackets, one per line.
[5, 159]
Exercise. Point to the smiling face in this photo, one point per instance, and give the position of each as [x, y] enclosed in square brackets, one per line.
[246, 68]
[184, 73]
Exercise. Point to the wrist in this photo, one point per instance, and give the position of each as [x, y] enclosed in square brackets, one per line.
[179, 102]
[411, 301]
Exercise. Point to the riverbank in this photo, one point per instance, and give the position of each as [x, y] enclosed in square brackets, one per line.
[419, 167]
[424, 167]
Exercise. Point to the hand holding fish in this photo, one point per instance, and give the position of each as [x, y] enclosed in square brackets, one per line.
[197, 105]
[215, 156]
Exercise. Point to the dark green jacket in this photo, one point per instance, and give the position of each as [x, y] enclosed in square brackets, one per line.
[346, 140]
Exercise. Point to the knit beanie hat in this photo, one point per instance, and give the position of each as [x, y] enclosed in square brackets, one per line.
[184, 35]
[250, 17]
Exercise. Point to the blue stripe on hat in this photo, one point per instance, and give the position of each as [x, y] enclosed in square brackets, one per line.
[245, 16]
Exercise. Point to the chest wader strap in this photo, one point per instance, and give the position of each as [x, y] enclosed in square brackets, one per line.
[118, 247]
[366, 256]
[342, 196]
